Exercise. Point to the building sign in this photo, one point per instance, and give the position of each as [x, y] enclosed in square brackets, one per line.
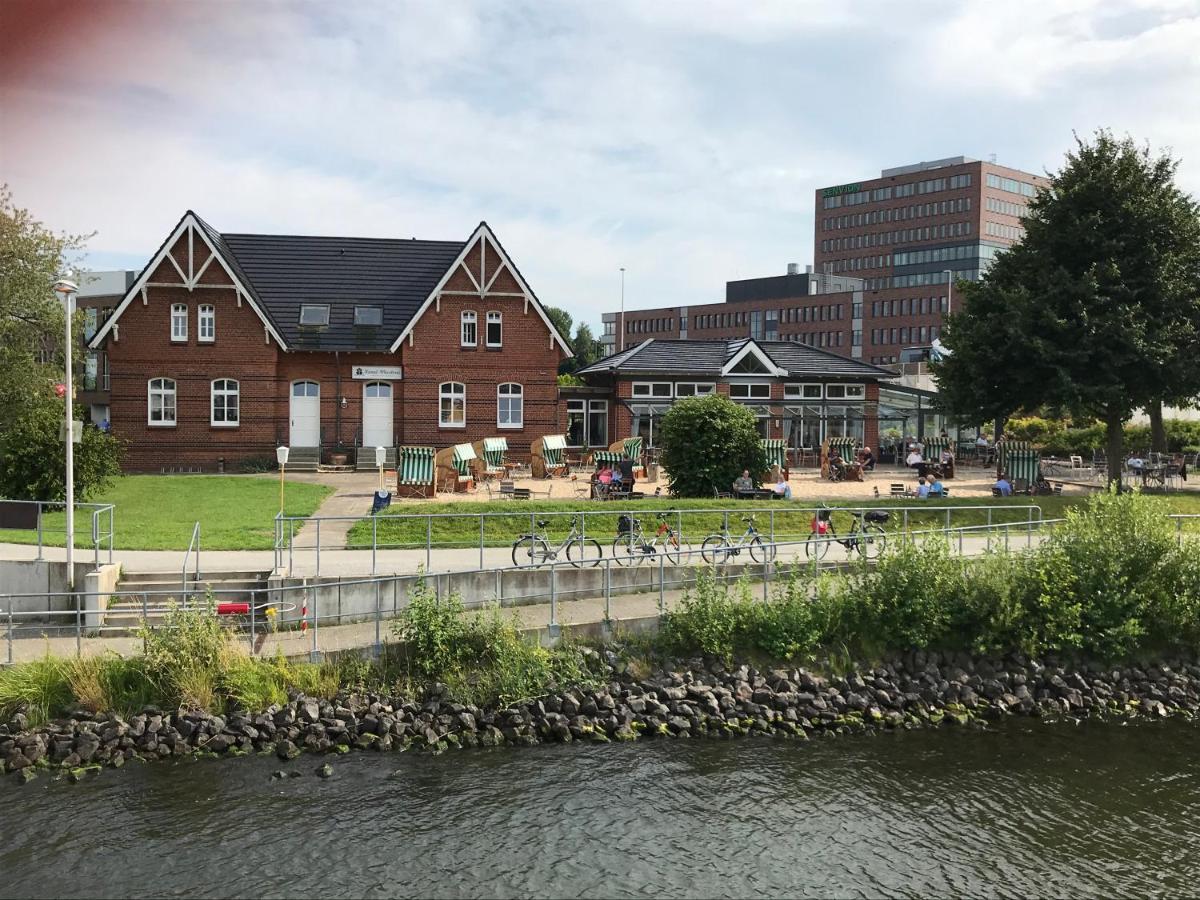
[841, 189]
[377, 373]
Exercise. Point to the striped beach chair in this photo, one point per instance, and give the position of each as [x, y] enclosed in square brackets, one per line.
[490, 459]
[776, 450]
[609, 457]
[933, 453]
[548, 456]
[846, 448]
[414, 471]
[1021, 461]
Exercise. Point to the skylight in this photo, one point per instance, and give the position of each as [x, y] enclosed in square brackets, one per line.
[311, 314]
[368, 315]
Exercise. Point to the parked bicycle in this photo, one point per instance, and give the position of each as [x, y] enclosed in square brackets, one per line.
[720, 547]
[866, 535]
[631, 545]
[538, 549]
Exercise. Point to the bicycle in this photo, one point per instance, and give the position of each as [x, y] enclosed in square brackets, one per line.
[866, 535]
[630, 546]
[719, 547]
[536, 549]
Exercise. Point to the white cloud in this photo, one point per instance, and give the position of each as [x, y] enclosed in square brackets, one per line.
[681, 140]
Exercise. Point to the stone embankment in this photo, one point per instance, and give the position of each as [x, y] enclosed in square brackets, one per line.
[697, 699]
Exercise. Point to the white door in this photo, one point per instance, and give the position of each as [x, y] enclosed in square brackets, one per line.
[306, 414]
[377, 414]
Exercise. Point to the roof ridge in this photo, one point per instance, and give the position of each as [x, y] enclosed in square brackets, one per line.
[339, 237]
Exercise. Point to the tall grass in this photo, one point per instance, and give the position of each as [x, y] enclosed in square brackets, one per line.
[40, 689]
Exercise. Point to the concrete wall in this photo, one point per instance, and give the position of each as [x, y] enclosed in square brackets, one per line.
[41, 577]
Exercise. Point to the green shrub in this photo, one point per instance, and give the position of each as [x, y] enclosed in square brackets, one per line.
[706, 443]
[254, 465]
[40, 689]
[33, 457]
[184, 655]
[713, 618]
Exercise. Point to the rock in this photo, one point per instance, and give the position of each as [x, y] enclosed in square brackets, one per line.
[325, 771]
[286, 750]
[25, 775]
[278, 775]
[17, 761]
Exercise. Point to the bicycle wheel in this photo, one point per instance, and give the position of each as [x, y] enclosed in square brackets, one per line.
[817, 545]
[584, 553]
[715, 549]
[627, 550]
[760, 550]
[871, 541]
[678, 553]
[530, 551]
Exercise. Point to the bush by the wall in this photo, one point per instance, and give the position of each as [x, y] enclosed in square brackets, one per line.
[707, 442]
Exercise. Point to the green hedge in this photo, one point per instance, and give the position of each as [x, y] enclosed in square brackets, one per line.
[1058, 438]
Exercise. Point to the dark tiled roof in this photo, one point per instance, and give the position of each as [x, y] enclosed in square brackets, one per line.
[285, 271]
[709, 357]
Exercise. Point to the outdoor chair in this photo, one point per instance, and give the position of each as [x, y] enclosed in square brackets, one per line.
[520, 493]
[1021, 486]
[722, 495]
[897, 490]
[414, 471]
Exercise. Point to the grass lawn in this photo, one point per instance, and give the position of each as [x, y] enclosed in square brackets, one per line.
[457, 524]
[157, 512]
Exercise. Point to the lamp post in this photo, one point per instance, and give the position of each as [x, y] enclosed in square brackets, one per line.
[66, 290]
[380, 456]
[621, 324]
[949, 289]
[281, 455]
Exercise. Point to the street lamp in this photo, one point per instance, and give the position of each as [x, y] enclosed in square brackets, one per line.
[949, 288]
[66, 290]
[621, 327]
[281, 455]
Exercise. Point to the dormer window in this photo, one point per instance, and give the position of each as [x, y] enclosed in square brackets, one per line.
[314, 315]
[368, 316]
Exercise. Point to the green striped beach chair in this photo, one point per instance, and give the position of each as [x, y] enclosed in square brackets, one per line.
[1021, 461]
[548, 456]
[414, 471]
[463, 455]
[611, 457]
[490, 457]
[633, 449]
[933, 453]
[776, 450]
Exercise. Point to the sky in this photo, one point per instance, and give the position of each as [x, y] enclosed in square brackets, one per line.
[682, 141]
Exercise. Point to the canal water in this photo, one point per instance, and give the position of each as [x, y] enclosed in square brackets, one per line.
[1032, 809]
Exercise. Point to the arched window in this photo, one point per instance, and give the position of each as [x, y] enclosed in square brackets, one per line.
[179, 322]
[510, 406]
[469, 328]
[495, 329]
[225, 397]
[453, 405]
[160, 402]
[206, 322]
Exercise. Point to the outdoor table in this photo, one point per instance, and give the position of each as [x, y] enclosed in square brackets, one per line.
[1153, 474]
[759, 494]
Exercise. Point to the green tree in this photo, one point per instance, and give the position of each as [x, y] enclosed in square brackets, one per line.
[562, 321]
[31, 318]
[1097, 309]
[587, 348]
[707, 442]
[33, 457]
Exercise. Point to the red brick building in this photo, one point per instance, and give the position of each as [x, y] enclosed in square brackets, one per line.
[228, 345]
[799, 393]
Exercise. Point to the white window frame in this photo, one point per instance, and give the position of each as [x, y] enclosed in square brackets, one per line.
[179, 323]
[225, 391]
[804, 390]
[465, 318]
[519, 396]
[206, 315]
[163, 392]
[697, 388]
[446, 391]
[652, 389]
[846, 391]
[747, 390]
[494, 317]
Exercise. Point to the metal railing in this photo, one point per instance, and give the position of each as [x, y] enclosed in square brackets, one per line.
[780, 520]
[102, 517]
[193, 547]
[352, 613]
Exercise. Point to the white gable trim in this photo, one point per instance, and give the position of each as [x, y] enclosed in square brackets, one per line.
[751, 348]
[191, 280]
[485, 233]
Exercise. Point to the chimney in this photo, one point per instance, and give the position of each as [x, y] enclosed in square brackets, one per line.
[793, 268]
[808, 270]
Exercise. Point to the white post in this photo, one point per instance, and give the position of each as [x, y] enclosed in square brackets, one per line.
[621, 324]
[66, 290]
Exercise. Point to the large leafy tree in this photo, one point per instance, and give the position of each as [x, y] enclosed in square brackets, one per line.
[706, 443]
[1097, 309]
[587, 348]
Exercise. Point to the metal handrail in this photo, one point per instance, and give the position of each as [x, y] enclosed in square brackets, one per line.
[193, 543]
[1033, 514]
[98, 511]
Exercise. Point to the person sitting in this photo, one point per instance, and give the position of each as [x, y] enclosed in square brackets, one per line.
[922, 489]
[781, 488]
[837, 466]
[617, 479]
[936, 488]
[982, 441]
[866, 459]
[743, 484]
[625, 466]
[606, 476]
[1003, 485]
[914, 458]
